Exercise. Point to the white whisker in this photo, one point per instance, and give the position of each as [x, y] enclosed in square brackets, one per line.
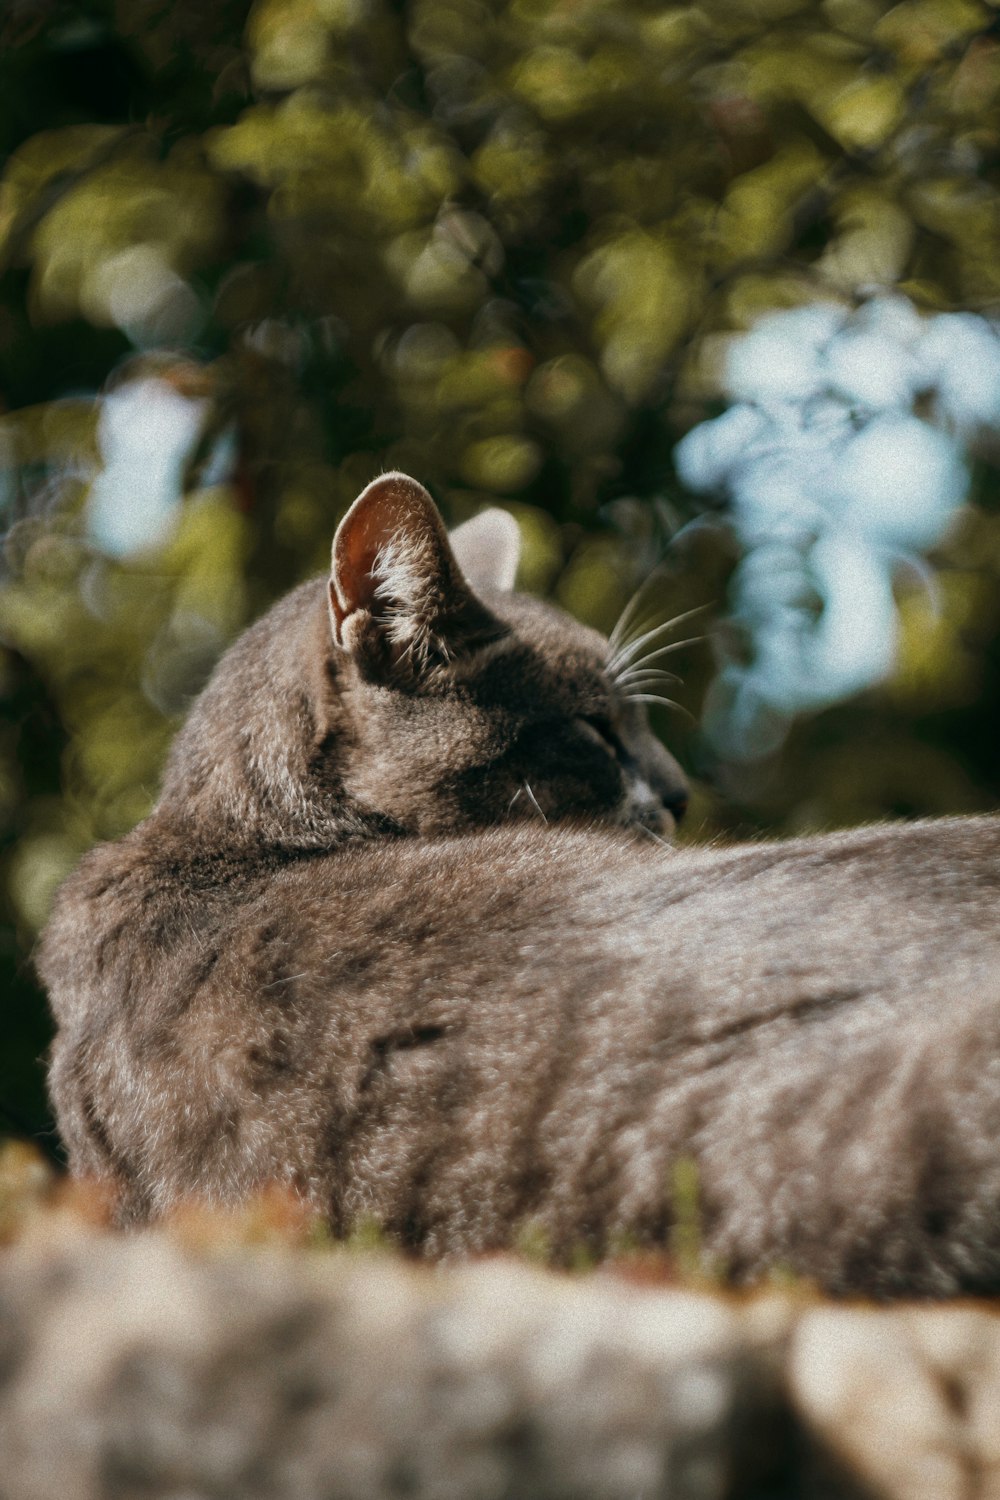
[652, 698]
[661, 699]
[657, 651]
[617, 636]
[534, 802]
[643, 628]
[645, 677]
[655, 836]
[626, 620]
[628, 653]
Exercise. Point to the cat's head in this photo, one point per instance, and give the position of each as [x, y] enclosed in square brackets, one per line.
[414, 692]
[469, 705]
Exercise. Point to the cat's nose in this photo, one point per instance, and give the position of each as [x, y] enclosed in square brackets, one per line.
[658, 812]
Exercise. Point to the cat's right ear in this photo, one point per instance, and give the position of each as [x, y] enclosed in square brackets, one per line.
[488, 549]
[397, 593]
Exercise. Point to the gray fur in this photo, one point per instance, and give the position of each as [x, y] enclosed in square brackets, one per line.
[347, 953]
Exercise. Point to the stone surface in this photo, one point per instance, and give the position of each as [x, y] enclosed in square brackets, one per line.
[135, 1367]
[907, 1398]
[154, 1369]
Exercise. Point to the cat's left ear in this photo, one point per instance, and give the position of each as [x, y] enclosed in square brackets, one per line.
[488, 549]
[397, 593]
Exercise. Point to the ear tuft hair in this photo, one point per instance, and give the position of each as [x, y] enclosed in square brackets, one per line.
[407, 592]
[395, 582]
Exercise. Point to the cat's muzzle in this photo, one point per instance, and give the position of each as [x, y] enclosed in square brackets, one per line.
[657, 815]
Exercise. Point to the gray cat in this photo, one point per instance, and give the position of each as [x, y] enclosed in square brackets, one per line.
[402, 934]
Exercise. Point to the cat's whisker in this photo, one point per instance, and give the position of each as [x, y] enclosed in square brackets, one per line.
[632, 692]
[618, 634]
[647, 676]
[651, 685]
[654, 836]
[685, 614]
[641, 669]
[658, 651]
[633, 649]
[627, 654]
[637, 648]
[618, 638]
[663, 700]
[626, 620]
[643, 626]
[534, 802]
[650, 697]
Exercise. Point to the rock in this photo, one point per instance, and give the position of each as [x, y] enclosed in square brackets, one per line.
[908, 1399]
[135, 1367]
[161, 1367]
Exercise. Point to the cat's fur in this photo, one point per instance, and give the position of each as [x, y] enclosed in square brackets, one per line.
[395, 936]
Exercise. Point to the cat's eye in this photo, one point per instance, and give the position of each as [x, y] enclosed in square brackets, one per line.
[604, 729]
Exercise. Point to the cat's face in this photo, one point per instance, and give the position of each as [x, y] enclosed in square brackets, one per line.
[468, 708]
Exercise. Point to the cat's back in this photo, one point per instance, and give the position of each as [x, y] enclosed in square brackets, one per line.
[523, 911]
[599, 875]
[564, 894]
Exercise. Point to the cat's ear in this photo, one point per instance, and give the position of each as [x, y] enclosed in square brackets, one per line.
[488, 549]
[396, 590]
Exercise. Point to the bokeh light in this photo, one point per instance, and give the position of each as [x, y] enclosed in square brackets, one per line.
[841, 458]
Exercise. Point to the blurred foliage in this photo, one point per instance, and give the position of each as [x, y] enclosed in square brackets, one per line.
[499, 245]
